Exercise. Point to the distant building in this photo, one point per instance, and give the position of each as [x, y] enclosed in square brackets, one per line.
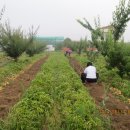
[50, 48]
[51, 40]
[105, 30]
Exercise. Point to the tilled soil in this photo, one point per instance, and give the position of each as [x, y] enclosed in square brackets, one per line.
[11, 93]
[118, 111]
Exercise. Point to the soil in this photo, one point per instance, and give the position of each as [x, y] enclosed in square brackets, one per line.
[12, 92]
[117, 110]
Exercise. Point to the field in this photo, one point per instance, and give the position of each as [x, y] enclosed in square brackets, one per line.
[49, 83]
[47, 94]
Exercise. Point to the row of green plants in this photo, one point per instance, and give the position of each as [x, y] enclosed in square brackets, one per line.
[56, 100]
[9, 70]
[108, 76]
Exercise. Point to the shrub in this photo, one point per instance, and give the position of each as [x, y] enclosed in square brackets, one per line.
[13, 41]
[35, 48]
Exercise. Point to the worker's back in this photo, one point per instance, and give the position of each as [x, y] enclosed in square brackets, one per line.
[90, 72]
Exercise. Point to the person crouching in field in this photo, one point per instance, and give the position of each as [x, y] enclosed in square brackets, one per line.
[90, 74]
[68, 52]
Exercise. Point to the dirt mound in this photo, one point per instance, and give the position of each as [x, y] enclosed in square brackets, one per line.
[13, 91]
[118, 111]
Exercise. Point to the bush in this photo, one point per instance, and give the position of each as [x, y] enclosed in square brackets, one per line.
[13, 41]
[116, 58]
[35, 48]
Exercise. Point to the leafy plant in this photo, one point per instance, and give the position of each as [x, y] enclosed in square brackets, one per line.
[55, 102]
[81, 46]
[35, 48]
[10, 70]
[96, 34]
[120, 18]
[13, 41]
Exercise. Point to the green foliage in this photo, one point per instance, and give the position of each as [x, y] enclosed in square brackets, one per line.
[92, 56]
[26, 114]
[81, 46]
[55, 104]
[120, 18]
[107, 45]
[35, 48]
[119, 57]
[77, 46]
[86, 24]
[12, 68]
[13, 41]
[109, 76]
[67, 40]
[59, 46]
[69, 43]
[96, 34]
[127, 68]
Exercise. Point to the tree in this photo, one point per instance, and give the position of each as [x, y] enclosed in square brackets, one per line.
[120, 19]
[35, 48]
[108, 44]
[116, 58]
[13, 41]
[32, 34]
[82, 44]
[67, 42]
[96, 33]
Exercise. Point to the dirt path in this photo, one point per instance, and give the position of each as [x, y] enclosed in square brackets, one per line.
[118, 111]
[11, 93]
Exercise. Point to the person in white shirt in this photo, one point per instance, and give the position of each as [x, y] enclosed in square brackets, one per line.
[90, 74]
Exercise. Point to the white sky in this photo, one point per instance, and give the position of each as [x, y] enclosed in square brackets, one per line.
[58, 17]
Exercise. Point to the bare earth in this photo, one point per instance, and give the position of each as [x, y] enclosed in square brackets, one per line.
[12, 93]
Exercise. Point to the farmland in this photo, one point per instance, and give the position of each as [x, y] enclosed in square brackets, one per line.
[56, 99]
[9, 69]
[52, 83]
[112, 92]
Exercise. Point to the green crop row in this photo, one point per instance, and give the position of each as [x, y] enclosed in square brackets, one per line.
[56, 100]
[13, 68]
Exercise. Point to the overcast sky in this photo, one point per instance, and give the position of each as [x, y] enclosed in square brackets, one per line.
[58, 17]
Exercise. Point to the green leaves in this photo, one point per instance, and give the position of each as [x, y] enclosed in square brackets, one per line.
[35, 48]
[55, 100]
[96, 33]
[120, 18]
[13, 41]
